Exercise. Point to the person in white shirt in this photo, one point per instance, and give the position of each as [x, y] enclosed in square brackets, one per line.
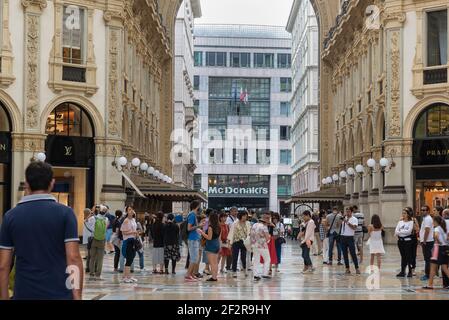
[404, 230]
[426, 239]
[439, 256]
[348, 227]
[232, 217]
[306, 236]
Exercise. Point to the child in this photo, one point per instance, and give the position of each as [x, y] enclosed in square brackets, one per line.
[376, 246]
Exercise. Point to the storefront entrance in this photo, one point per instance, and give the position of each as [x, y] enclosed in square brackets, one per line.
[431, 158]
[70, 149]
[5, 162]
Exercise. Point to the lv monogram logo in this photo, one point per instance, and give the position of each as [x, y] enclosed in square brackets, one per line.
[68, 151]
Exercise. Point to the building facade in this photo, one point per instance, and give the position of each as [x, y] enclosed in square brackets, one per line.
[385, 95]
[185, 117]
[86, 82]
[303, 26]
[243, 87]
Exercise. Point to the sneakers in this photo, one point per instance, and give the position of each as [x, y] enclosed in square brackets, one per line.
[127, 280]
[133, 280]
[256, 278]
[339, 263]
[400, 275]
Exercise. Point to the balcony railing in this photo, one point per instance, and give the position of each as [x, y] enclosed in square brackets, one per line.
[75, 74]
[435, 75]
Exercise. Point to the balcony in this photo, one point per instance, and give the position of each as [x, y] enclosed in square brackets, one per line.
[435, 75]
[74, 74]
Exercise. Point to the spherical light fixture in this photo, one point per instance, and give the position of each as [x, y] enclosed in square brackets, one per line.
[150, 170]
[371, 163]
[384, 162]
[324, 181]
[329, 180]
[41, 157]
[359, 168]
[135, 162]
[343, 174]
[144, 166]
[122, 161]
[335, 177]
[351, 172]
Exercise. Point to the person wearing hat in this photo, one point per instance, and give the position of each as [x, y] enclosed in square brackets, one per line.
[404, 230]
[259, 241]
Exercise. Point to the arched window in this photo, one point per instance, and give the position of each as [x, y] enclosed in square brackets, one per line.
[433, 122]
[68, 119]
[5, 125]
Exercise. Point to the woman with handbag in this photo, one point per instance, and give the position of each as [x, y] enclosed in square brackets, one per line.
[238, 235]
[279, 240]
[439, 253]
[306, 237]
[129, 232]
[225, 251]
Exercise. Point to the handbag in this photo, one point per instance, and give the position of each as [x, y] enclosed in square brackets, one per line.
[137, 245]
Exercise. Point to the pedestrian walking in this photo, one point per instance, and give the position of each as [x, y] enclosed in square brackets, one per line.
[306, 237]
[232, 217]
[323, 236]
[140, 239]
[88, 231]
[129, 232]
[238, 236]
[117, 238]
[334, 221]
[212, 247]
[158, 244]
[225, 251]
[404, 231]
[193, 240]
[44, 254]
[171, 244]
[111, 218]
[278, 237]
[359, 232]
[97, 248]
[375, 242]
[259, 242]
[426, 240]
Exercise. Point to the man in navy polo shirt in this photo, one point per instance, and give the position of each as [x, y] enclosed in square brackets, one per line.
[44, 237]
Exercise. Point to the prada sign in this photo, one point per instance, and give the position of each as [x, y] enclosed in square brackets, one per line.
[70, 151]
[231, 191]
[431, 152]
[5, 147]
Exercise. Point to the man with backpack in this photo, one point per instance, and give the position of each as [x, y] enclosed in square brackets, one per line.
[98, 244]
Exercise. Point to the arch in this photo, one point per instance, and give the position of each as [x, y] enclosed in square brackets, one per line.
[87, 105]
[416, 111]
[337, 150]
[359, 139]
[350, 148]
[380, 129]
[15, 116]
[369, 137]
[343, 149]
[125, 126]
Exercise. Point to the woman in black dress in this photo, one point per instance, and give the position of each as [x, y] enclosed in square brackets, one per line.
[171, 244]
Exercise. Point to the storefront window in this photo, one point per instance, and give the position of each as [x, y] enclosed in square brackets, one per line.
[4, 120]
[434, 122]
[68, 119]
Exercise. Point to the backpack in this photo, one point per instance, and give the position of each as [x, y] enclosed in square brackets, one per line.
[100, 229]
[184, 231]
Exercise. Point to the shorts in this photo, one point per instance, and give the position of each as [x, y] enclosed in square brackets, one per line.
[212, 246]
[194, 250]
[358, 239]
[108, 235]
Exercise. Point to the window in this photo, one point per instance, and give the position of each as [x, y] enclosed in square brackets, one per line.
[262, 133]
[434, 122]
[240, 60]
[196, 106]
[437, 38]
[285, 109]
[240, 156]
[285, 157]
[285, 133]
[286, 84]
[73, 38]
[284, 60]
[68, 119]
[284, 185]
[196, 82]
[263, 156]
[216, 156]
[197, 182]
[217, 132]
[216, 59]
[263, 60]
[198, 56]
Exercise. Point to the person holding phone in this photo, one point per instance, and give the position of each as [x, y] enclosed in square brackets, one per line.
[193, 242]
[306, 236]
[348, 227]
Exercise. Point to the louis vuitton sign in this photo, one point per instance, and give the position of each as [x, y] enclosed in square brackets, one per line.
[431, 152]
[5, 147]
[70, 151]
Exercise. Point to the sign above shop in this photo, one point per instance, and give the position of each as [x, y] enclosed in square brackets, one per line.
[252, 191]
[431, 152]
[66, 151]
[5, 147]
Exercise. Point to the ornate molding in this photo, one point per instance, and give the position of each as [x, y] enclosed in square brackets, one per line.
[41, 4]
[23, 142]
[113, 83]
[394, 128]
[32, 70]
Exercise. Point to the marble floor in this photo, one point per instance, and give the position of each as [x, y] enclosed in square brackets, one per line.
[327, 283]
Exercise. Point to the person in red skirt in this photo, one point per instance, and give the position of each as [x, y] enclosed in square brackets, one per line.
[271, 245]
[225, 251]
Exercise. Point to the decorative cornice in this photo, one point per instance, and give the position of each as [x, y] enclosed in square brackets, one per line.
[41, 4]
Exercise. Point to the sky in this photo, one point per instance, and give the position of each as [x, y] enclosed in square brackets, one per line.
[262, 12]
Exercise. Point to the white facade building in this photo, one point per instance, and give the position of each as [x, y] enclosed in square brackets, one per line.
[302, 24]
[184, 117]
[243, 86]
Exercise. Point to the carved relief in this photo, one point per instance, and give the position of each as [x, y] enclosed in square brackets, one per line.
[32, 84]
[113, 83]
[394, 113]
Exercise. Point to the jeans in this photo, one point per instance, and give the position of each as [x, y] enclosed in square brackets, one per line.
[141, 260]
[405, 249]
[332, 239]
[236, 248]
[116, 256]
[427, 253]
[96, 257]
[278, 252]
[414, 251]
[306, 255]
[257, 269]
[347, 242]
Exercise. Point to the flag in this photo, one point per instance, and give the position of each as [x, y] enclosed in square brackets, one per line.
[243, 96]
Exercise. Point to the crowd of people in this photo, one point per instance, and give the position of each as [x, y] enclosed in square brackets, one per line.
[37, 250]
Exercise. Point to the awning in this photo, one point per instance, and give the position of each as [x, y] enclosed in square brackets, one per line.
[333, 195]
[170, 192]
[128, 179]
